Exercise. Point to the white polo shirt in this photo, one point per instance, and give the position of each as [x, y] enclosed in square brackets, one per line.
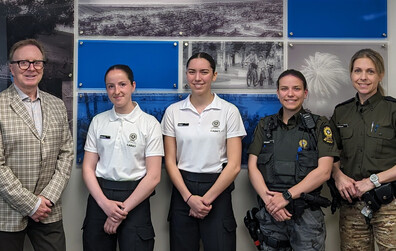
[123, 143]
[201, 138]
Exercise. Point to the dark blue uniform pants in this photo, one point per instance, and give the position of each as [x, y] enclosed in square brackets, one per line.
[136, 232]
[217, 230]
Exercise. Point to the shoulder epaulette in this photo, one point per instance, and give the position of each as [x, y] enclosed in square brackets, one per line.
[270, 123]
[267, 117]
[389, 98]
[264, 120]
[346, 102]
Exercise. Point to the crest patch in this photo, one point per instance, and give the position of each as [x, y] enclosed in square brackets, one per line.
[132, 136]
[328, 135]
[303, 143]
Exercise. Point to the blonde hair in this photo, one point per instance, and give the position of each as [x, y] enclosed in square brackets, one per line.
[376, 58]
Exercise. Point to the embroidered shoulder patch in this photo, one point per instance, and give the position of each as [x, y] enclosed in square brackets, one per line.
[329, 135]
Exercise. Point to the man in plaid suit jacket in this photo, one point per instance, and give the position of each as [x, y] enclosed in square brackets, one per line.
[36, 155]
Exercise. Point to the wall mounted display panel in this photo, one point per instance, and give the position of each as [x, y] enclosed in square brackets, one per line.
[91, 104]
[337, 18]
[240, 65]
[52, 25]
[251, 106]
[326, 68]
[181, 18]
[154, 64]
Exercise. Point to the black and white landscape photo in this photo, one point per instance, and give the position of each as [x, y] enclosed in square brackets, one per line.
[326, 69]
[181, 18]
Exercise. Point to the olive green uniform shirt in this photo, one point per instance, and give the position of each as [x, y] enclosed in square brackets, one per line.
[326, 145]
[366, 135]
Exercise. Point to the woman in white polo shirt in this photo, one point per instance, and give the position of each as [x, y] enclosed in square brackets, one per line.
[121, 168]
[203, 147]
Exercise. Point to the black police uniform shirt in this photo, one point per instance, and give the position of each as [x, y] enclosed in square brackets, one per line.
[326, 145]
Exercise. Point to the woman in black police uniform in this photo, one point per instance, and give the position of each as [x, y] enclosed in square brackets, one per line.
[365, 128]
[292, 153]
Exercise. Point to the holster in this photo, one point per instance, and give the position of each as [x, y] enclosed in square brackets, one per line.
[384, 193]
[379, 196]
[315, 201]
[371, 201]
[297, 207]
[336, 197]
[253, 226]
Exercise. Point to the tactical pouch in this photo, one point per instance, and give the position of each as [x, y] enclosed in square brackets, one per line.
[384, 193]
[285, 172]
[265, 164]
[264, 158]
[371, 200]
[306, 162]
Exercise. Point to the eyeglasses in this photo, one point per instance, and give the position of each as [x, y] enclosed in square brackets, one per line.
[25, 64]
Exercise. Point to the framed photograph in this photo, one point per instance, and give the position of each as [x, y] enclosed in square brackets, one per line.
[52, 24]
[181, 18]
[241, 66]
[91, 104]
[326, 68]
[251, 106]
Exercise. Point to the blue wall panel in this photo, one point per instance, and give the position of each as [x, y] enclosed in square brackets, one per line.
[337, 18]
[155, 64]
[251, 106]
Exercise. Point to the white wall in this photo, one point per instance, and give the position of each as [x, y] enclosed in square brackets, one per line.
[74, 198]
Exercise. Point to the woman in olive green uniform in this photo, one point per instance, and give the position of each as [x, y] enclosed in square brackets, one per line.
[365, 128]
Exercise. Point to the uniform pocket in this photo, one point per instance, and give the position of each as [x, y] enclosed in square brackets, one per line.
[346, 133]
[285, 172]
[348, 144]
[145, 232]
[382, 133]
[381, 142]
[229, 234]
[264, 158]
[229, 225]
[145, 238]
[307, 161]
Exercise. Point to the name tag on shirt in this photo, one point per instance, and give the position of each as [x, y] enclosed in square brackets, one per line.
[183, 124]
[104, 137]
[342, 125]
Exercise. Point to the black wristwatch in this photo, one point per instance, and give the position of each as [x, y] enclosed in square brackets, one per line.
[287, 195]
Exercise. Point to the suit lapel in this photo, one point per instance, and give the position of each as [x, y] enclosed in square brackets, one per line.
[46, 113]
[20, 109]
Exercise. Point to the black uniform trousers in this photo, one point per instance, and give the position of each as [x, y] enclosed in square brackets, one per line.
[135, 233]
[217, 230]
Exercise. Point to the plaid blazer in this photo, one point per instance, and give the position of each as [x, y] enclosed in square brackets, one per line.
[29, 164]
